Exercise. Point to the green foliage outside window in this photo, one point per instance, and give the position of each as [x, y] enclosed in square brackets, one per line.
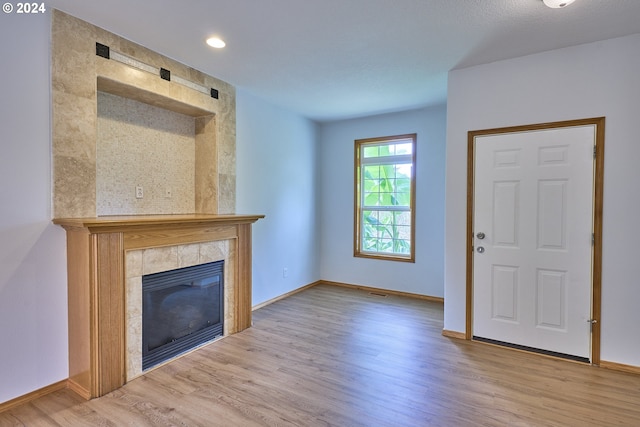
[386, 198]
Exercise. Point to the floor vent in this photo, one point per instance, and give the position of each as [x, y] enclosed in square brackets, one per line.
[378, 294]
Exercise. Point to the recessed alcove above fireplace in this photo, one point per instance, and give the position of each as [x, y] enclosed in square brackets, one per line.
[141, 146]
[186, 216]
[79, 76]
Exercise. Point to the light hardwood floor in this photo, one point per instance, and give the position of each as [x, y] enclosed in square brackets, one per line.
[333, 356]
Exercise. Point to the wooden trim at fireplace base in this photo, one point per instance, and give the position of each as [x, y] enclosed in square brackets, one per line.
[26, 398]
[78, 389]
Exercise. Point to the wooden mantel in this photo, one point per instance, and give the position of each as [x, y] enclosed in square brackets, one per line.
[96, 284]
[106, 224]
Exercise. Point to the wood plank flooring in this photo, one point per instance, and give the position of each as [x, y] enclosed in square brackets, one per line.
[333, 356]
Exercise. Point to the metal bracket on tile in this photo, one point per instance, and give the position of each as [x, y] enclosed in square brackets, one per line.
[165, 74]
[102, 50]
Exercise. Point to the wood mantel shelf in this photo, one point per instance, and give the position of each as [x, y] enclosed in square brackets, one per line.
[104, 224]
[96, 250]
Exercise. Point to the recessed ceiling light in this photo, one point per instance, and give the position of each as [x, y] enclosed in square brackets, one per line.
[216, 42]
[557, 4]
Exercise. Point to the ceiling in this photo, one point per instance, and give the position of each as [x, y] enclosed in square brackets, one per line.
[335, 59]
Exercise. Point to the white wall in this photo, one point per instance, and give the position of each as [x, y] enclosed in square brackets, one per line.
[592, 80]
[336, 151]
[33, 289]
[277, 176]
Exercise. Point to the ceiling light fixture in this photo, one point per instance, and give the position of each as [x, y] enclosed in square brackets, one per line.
[216, 42]
[557, 4]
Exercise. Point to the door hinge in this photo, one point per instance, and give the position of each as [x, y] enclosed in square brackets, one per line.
[594, 151]
[593, 239]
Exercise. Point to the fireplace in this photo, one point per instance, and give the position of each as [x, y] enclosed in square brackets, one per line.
[181, 309]
[107, 259]
[108, 256]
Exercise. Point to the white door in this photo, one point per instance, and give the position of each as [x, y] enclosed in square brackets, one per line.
[532, 266]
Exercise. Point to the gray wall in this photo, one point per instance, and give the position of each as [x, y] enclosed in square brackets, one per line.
[277, 176]
[336, 162]
[33, 280]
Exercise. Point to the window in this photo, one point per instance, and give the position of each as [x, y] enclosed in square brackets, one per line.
[385, 197]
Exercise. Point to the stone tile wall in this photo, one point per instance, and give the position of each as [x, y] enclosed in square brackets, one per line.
[77, 76]
[142, 145]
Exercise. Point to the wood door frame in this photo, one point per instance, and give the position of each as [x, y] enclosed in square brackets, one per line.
[596, 288]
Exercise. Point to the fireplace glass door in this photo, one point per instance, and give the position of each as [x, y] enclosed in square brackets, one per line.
[181, 309]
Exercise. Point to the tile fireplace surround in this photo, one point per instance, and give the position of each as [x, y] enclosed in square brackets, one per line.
[107, 255]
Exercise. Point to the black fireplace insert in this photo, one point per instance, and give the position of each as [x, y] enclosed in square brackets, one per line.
[181, 309]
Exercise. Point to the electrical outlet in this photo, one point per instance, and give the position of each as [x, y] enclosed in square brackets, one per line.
[285, 272]
[139, 192]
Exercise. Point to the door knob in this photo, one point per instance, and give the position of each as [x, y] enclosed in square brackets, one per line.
[480, 249]
[480, 235]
